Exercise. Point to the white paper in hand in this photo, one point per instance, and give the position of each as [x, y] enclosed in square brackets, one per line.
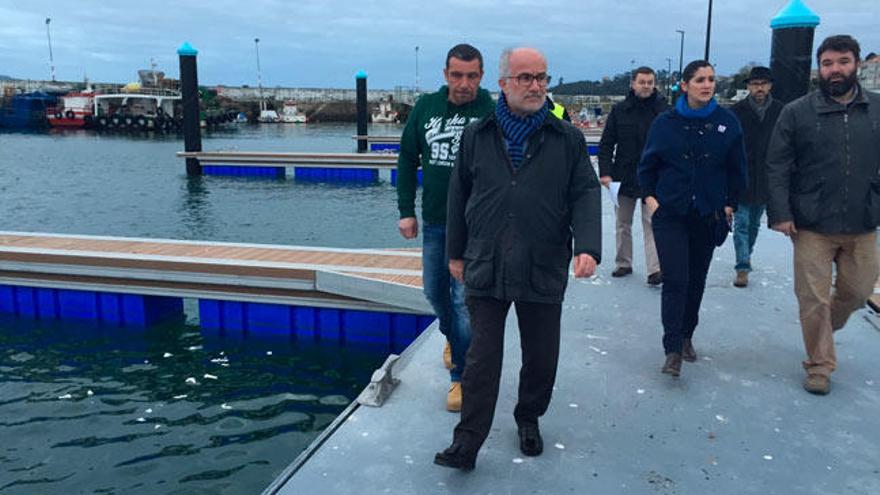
[613, 190]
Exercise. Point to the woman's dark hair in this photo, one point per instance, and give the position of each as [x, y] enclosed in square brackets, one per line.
[691, 69]
[839, 43]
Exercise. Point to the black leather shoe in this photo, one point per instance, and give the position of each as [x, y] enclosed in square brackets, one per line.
[456, 457]
[530, 442]
[672, 366]
[621, 271]
[687, 351]
[655, 278]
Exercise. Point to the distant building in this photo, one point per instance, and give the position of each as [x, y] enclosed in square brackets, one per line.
[869, 75]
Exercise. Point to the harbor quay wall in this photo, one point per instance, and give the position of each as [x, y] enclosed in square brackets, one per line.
[315, 95]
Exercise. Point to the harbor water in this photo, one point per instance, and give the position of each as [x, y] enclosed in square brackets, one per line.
[86, 408]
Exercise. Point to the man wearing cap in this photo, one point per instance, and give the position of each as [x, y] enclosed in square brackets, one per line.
[757, 113]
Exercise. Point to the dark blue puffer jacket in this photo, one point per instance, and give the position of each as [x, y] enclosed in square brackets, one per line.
[694, 161]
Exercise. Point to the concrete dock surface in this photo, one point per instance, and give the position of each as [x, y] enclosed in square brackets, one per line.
[736, 422]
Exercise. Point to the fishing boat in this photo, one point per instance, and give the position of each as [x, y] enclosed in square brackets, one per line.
[386, 113]
[290, 114]
[74, 110]
[267, 116]
[138, 109]
[26, 110]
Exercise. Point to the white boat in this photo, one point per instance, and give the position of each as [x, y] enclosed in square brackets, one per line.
[267, 116]
[290, 114]
[386, 114]
[141, 109]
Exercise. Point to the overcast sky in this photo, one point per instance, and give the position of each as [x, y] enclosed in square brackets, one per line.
[324, 43]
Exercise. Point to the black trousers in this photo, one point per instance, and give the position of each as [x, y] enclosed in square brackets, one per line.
[539, 342]
[684, 245]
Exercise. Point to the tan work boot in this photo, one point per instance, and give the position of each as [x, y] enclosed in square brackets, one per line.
[447, 356]
[453, 398]
[742, 279]
[817, 384]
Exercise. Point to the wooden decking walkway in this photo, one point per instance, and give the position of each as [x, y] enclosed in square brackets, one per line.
[370, 279]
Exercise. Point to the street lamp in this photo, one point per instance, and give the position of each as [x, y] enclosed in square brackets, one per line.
[708, 31]
[259, 75]
[668, 78]
[51, 59]
[417, 69]
[680, 51]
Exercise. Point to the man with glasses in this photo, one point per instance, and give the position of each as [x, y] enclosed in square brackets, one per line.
[522, 185]
[431, 139]
[757, 113]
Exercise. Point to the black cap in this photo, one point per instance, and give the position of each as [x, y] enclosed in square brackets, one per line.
[760, 73]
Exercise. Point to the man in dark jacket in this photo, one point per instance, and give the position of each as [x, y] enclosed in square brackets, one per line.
[521, 187]
[823, 166]
[626, 129]
[757, 114]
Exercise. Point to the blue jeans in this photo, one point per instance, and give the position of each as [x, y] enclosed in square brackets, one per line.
[746, 223]
[446, 296]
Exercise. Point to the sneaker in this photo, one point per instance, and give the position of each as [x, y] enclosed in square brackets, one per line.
[672, 366]
[447, 356]
[621, 271]
[453, 398]
[655, 278]
[742, 279]
[456, 456]
[817, 384]
[530, 441]
[687, 351]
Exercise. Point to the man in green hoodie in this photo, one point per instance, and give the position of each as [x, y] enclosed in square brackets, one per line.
[431, 139]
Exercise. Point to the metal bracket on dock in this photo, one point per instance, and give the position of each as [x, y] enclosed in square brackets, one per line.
[381, 384]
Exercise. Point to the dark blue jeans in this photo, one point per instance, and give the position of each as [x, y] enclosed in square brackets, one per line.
[746, 223]
[684, 246]
[446, 296]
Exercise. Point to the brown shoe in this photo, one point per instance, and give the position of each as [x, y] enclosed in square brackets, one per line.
[742, 279]
[687, 351]
[672, 365]
[453, 398]
[447, 356]
[655, 278]
[621, 271]
[817, 384]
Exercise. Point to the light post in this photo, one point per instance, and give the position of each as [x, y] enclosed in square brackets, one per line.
[680, 51]
[417, 69]
[259, 75]
[668, 78]
[708, 31]
[51, 59]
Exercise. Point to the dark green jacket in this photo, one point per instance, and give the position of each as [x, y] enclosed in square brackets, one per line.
[823, 164]
[431, 139]
[513, 228]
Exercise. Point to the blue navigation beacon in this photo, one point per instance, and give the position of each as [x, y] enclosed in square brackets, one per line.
[795, 15]
[187, 49]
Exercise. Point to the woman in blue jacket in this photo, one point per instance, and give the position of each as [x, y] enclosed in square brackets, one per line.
[692, 171]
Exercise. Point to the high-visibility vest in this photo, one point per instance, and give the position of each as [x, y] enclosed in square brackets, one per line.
[557, 110]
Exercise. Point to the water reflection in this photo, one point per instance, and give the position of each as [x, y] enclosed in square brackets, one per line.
[93, 408]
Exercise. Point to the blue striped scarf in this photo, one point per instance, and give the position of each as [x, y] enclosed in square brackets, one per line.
[517, 129]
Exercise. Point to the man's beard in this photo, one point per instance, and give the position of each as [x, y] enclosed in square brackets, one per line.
[838, 88]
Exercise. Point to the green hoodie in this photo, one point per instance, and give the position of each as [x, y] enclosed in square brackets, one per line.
[431, 139]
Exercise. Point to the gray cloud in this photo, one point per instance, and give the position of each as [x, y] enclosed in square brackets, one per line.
[311, 43]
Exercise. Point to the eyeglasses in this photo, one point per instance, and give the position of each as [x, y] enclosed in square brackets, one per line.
[526, 79]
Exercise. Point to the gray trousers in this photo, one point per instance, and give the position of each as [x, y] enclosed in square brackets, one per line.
[624, 213]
